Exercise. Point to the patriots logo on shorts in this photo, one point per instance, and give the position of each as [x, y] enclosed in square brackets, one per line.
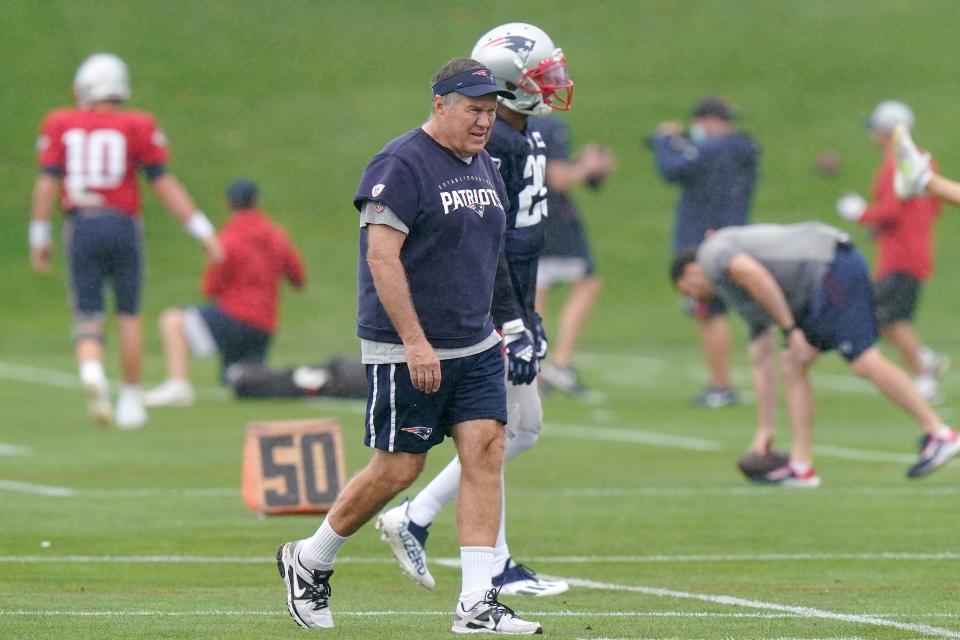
[520, 45]
[421, 432]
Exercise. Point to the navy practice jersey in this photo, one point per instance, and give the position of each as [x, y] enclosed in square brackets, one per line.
[521, 158]
[717, 178]
[456, 214]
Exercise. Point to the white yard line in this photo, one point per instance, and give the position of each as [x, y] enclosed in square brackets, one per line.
[14, 450]
[607, 434]
[803, 612]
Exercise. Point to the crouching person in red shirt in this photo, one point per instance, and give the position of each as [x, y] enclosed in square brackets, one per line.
[243, 290]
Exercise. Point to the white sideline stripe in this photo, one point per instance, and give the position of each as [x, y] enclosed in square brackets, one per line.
[455, 562]
[14, 450]
[63, 380]
[67, 492]
[829, 451]
[585, 432]
[804, 612]
[38, 489]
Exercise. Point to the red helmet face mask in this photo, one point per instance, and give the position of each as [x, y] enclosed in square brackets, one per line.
[551, 81]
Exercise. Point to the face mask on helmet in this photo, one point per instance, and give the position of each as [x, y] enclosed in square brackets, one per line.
[549, 81]
[524, 60]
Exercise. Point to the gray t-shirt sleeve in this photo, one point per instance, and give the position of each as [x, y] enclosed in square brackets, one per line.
[715, 254]
[379, 213]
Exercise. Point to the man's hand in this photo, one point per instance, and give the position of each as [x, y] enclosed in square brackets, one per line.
[521, 354]
[801, 350]
[539, 337]
[424, 366]
[40, 258]
[670, 128]
[213, 249]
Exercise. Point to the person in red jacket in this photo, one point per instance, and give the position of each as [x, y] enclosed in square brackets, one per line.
[903, 230]
[244, 289]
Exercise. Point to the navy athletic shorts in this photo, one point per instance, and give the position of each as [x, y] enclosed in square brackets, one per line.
[236, 341]
[842, 315]
[896, 296]
[400, 418]
[104, 245]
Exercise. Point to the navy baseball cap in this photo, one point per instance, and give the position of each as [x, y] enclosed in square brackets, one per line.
[242, 193]
[473, 83]
[715, 106]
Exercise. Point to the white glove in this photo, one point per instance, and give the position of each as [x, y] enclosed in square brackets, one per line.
[851, 207]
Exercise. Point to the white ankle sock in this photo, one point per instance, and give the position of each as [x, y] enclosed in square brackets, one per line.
[477, 564]
[319, 551]
[91, 372]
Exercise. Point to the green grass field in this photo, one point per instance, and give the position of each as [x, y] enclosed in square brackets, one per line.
[632, 496]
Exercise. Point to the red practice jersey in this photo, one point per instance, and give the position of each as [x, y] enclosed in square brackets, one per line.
[258, 256]
[97, 153]
[903, 228]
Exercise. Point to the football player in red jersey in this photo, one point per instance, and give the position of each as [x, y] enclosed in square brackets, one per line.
[89, 156]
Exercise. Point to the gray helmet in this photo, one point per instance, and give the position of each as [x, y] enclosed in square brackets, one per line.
[524, 60]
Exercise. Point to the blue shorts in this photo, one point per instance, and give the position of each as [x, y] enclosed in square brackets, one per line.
[400, 418]
[102, 245]
[236, 341]
[842, 315]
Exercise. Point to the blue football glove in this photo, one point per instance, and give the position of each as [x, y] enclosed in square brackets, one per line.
[521, 354]
[539, 337]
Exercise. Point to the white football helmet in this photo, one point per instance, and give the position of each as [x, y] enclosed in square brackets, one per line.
[102, 76]
[524, 60]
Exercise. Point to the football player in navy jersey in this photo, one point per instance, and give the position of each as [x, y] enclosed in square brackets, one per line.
[524, 60]
[432, 215]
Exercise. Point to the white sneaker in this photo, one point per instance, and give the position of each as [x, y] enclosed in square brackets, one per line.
[490, 616]
[308, 590]
[130, 411]
[519, 580]
[98, 402]
[934, 364]
[912, 167]
[172, 393]
[407, 541]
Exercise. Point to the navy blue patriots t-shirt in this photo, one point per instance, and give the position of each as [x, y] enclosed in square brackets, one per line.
[521, 158]
[456, 213]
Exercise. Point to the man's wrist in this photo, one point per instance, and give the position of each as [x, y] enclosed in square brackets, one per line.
[513, 326]
[199, 226]
[787, 330]
[40, 234]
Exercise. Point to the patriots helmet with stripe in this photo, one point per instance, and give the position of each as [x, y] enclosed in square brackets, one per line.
[525, 60]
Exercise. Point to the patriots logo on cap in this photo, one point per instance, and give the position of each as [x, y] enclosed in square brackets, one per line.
[520, 45]
[421, 432]
[481, 72]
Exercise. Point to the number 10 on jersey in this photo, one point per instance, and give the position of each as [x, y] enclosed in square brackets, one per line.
[293, 466]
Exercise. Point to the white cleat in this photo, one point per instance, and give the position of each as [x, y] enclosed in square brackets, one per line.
[308, 590]
[490, 616]
[406, 540]
[172, 393]
[913, 170]
[519, 580]
[131, 413]
[98, 402]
